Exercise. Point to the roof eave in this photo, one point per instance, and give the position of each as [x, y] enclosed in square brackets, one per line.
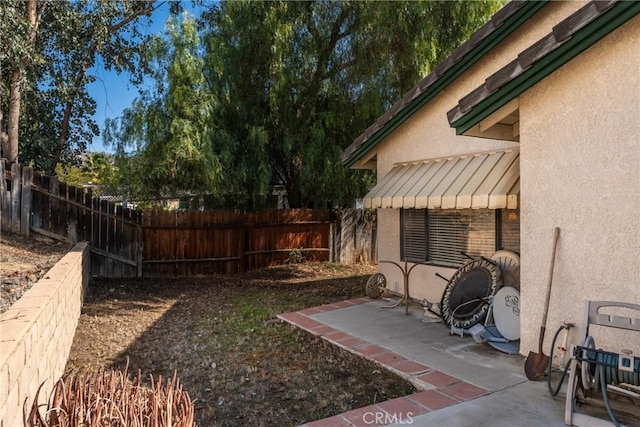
[443, 75]
[540, 60]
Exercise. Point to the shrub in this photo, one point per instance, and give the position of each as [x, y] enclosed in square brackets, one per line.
[111, 399]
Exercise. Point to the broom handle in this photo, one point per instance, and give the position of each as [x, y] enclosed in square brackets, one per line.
[556, 234]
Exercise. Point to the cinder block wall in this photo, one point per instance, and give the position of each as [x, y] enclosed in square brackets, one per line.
[36, 334]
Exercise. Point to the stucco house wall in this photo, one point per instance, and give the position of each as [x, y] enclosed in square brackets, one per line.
[427, 135]
[580, 171]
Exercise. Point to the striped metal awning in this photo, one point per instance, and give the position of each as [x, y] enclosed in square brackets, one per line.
[482, 180]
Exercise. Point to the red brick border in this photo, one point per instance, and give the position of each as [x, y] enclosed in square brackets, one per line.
[437, 390]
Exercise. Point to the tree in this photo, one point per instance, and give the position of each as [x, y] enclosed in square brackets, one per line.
[167, 127]
[277, 91]
[58, 42]
[298, 81]
[20, 26]
[94, 169]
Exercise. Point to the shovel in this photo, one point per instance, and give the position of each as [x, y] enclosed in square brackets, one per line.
[537, 363]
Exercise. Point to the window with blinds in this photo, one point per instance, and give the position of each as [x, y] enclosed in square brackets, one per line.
[440, 236]
[453, 231]
[510, 230]
[413, 244]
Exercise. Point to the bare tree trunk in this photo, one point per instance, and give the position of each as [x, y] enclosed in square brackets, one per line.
[10, 149]
[15, 92]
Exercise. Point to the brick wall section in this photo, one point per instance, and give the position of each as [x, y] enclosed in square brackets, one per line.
[36, 334]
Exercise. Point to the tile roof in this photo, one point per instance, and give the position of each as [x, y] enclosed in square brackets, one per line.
[567, 39]
[501, 24]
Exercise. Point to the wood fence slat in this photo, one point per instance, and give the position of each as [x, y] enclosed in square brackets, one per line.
[80, 215]
[36, 201]
[104, 224]
[88, 215]
[95, 223]
[63, 218]
[116, 239]
[16, 191]
[139, 248]
[116, 228]
[72, 214]
[5, 204]
[25, 209]
[54, 189]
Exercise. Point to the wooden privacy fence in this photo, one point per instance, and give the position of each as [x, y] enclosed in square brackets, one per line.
[30, 202]
[186, 243]
[155, 243]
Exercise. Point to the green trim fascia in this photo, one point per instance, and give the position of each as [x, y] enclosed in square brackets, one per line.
[587, 36]
[502, 32]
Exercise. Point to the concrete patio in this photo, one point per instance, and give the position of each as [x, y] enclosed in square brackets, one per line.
[459, 382]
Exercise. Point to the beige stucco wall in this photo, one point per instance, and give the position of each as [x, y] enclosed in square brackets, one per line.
[427, 134]
[580, 171]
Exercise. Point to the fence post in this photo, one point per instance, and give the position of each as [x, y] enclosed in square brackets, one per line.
[25, 219]
[331, 232]
[72, 214]
[374, 237]
[243, 248]
[54, 189]
[348, 237]
[15, 198]
[3, 194]
[337, 237]
[140, 248]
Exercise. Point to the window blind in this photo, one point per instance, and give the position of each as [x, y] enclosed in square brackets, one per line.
[453, 231]
[414, 235]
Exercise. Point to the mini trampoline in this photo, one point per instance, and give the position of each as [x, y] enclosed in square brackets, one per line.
[468, 294]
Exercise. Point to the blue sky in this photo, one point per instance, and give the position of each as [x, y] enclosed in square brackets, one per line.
[113, 92]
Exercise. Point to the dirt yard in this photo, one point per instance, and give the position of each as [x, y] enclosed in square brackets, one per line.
[22, 262]
[241, 364]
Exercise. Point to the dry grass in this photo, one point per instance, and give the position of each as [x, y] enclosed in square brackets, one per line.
[241, 365]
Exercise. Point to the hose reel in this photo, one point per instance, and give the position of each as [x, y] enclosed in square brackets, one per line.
[617, 368]
[595, 370]
[604, 371]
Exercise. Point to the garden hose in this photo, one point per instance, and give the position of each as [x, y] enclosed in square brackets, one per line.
[605, 396]
[614, 375]
[552, 391]
[606, 366]
[610, 374]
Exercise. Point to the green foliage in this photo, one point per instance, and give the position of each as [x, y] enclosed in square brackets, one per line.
[276, 91]
[55, 120]
[309, 77]
[167, 128]
[94, 169]
[268, 93]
